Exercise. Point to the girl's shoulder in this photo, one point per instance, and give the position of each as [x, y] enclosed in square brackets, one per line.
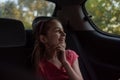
[70, 52]
[71, 55]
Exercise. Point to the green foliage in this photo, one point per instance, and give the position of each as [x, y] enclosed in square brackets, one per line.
[106, 14]
[25, 10]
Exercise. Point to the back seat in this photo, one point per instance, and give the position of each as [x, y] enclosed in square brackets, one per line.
[16, 46]
[14, 51]
[12, 41]
[73, 43]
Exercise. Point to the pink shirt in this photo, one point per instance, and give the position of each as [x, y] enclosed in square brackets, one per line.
[50, 72]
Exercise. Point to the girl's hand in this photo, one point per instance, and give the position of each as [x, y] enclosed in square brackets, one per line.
[61, 53]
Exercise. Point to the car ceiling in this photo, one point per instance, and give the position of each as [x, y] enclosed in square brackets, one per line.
[67, 2]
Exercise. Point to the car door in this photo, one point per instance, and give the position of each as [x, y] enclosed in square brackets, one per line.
[101, 48]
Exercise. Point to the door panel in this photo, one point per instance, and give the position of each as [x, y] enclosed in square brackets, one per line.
[103, 53]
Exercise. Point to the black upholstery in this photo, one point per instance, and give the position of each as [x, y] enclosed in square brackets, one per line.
[14, 51]
[12, 42]
[37, 19]
[85, 66]
[12, 33]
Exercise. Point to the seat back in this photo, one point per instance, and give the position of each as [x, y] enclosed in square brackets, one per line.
[12, 33]
[12, 41]
[84, 63]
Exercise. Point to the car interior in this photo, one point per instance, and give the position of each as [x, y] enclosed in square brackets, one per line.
[98, 52]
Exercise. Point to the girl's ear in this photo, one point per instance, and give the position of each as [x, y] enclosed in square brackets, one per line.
[43, 39]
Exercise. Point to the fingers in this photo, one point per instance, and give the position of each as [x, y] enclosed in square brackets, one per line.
[60, 48]
[63, 45]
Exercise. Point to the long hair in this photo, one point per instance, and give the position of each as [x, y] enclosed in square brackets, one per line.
[41, 28]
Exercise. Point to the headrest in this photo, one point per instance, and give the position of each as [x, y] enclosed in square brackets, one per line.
[38, 19]
[12, 33]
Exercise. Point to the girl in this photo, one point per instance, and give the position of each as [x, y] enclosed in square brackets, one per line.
[51, 60]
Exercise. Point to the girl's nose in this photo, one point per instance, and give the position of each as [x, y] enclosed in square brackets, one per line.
[63, 33]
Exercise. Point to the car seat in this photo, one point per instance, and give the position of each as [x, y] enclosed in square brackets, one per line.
[12, 41]
[73, 43]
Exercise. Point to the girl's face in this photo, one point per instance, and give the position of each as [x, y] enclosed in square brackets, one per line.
[55, 35]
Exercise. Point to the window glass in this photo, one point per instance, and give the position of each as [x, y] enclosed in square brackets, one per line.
[105, 14]
[25, 10]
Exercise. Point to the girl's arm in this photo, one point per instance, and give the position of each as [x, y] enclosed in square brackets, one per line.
[73, 71]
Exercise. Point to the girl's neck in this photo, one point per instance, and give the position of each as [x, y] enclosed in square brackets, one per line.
[55, 61]
[52, 58]
[50, 55]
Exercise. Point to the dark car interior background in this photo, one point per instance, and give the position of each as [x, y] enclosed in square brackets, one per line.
[99, 52]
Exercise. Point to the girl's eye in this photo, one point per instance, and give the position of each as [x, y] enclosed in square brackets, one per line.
[57, 30]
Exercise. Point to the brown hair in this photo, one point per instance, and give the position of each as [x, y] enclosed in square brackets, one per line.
[41, 28]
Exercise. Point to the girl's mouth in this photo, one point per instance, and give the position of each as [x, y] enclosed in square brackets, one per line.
[61, 40]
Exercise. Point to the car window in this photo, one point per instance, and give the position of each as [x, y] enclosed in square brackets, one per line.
[25, 10]
[105, 15]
